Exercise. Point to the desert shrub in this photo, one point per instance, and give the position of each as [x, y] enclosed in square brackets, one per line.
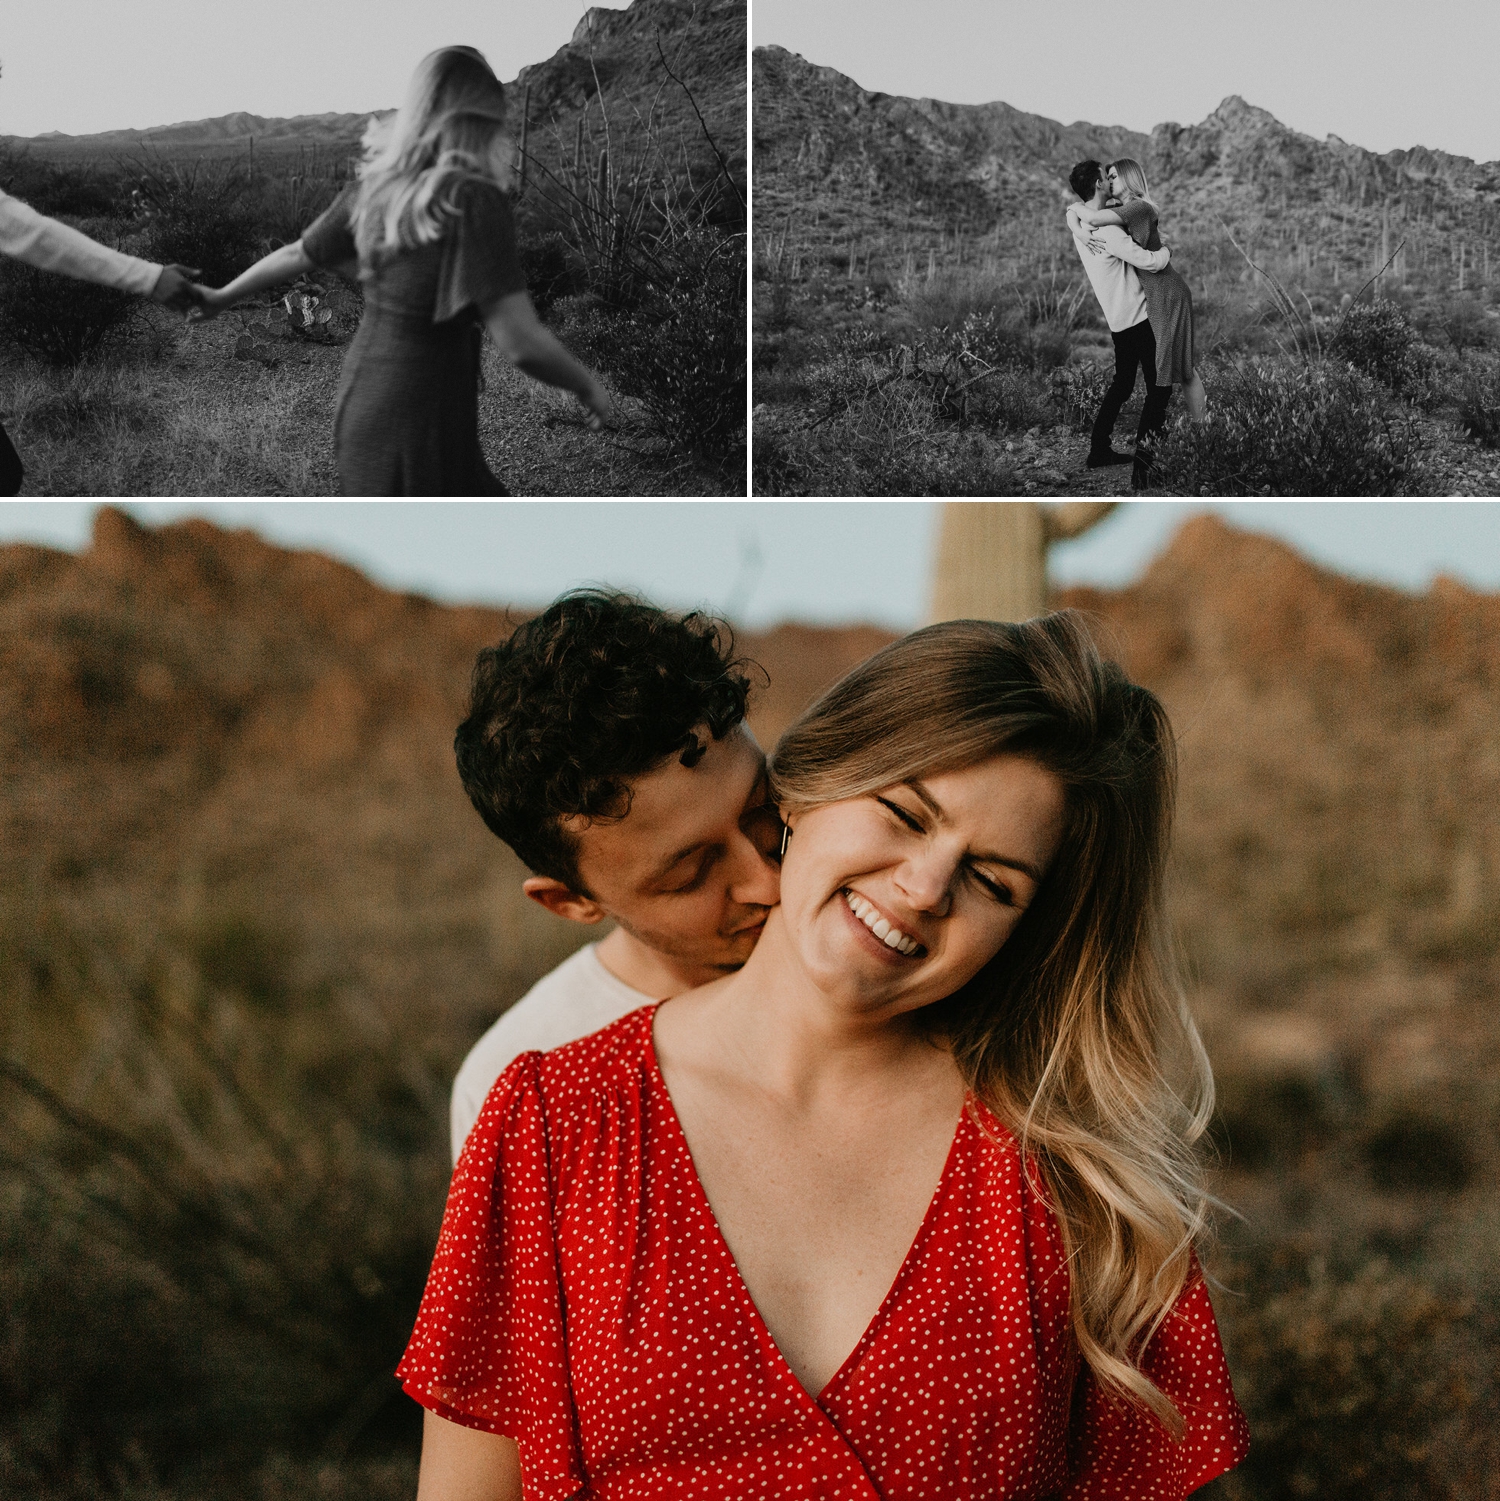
[1291, 427]
[59, 319]
[679, 347]
[884, 446]
[1374, 337]
[872, 426]
[64, 409]
[1465, 325]
[200, 215]
[51, 188]
[214, 1247]
[1264, 1123]
[955, 294]
[1357, 1385]
[279, 207]
[1476, 393]
[982, 372]
[1078, 389]
[1057, 306]
[1419, 1149]
[552, 269]
[1423, 378]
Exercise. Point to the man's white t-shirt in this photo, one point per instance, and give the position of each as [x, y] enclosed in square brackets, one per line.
[577, 998]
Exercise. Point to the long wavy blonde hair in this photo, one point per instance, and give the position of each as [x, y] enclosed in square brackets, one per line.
[449, 130]
[1133, 175]
[1076, 1034]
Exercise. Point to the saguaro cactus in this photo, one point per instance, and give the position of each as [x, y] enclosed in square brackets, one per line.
[991, 559]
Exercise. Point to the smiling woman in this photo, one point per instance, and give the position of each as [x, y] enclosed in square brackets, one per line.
[905, 1208]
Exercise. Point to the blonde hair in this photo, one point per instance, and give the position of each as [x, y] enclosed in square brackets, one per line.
[448, 131]
[1134, 175]
[1076, 1034]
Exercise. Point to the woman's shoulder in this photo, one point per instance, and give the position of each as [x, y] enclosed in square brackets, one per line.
[566, 1097]
[600, 1061]
[482, 198]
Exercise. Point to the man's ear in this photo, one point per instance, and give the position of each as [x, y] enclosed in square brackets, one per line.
[562, 901]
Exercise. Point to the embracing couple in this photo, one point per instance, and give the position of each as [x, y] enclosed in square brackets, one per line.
[427, 228]
[1146, 304]
[854, 1163]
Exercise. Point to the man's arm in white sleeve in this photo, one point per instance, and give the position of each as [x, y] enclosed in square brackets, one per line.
[1123, 248]
[50, 246]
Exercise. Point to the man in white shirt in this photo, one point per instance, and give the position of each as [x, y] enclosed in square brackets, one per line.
[39, 241]
[1109, 257]
[606, 744]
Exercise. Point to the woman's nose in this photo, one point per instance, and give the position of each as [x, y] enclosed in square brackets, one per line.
[927, 883]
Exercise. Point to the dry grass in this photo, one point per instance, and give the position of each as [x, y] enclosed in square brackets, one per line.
[174, 413]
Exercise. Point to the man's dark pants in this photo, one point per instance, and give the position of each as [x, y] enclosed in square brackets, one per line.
[11, 472]
[1135, 347]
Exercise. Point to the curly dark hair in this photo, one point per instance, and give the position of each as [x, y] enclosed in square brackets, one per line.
[598, 689]
[1084, 176]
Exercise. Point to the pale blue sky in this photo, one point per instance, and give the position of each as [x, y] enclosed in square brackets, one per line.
[764, 561]
[1381, 74]
[81, 66]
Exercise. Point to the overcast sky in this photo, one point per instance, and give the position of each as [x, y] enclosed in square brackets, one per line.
[764, 561]
[81, 66]
[1380, 74]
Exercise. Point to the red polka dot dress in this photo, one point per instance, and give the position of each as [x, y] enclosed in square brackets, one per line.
[583, 1302]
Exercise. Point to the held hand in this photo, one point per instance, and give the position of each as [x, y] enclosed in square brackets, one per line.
[173, 288]
[598, 406]
[207, 303]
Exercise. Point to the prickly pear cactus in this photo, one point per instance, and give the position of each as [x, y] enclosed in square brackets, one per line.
[305, 314]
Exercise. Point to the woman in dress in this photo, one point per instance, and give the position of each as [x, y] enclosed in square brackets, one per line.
[428, 230]
[905, 1208]
[1169, 303]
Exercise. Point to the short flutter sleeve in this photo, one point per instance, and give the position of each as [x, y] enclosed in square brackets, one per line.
[480, 260]
[1121, 1453]
[1139, 219]
[329, 239]
[488, 1350]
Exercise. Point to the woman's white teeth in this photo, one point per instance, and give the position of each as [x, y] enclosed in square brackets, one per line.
[870, 916]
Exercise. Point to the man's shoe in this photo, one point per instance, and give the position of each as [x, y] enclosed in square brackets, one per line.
[1108, 456]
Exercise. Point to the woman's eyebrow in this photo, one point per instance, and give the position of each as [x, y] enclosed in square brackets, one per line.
[1009, 861]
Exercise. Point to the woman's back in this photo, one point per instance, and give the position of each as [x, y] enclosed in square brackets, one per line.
[1140, 221]
[408, 419]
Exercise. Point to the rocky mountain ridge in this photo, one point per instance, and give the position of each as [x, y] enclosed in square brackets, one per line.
[613, 52]
[233, 130]
[827, 148]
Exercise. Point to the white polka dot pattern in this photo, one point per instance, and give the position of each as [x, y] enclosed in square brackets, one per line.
[583, 1302]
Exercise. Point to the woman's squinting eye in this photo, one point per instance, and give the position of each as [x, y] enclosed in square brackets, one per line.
[909, 819]
[997, 889]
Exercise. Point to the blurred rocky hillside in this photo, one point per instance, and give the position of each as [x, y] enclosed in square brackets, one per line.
[201, 729]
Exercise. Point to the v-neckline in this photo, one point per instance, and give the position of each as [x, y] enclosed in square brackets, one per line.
[871, 1329]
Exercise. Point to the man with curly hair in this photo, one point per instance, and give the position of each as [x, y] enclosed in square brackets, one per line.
[606, 744]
